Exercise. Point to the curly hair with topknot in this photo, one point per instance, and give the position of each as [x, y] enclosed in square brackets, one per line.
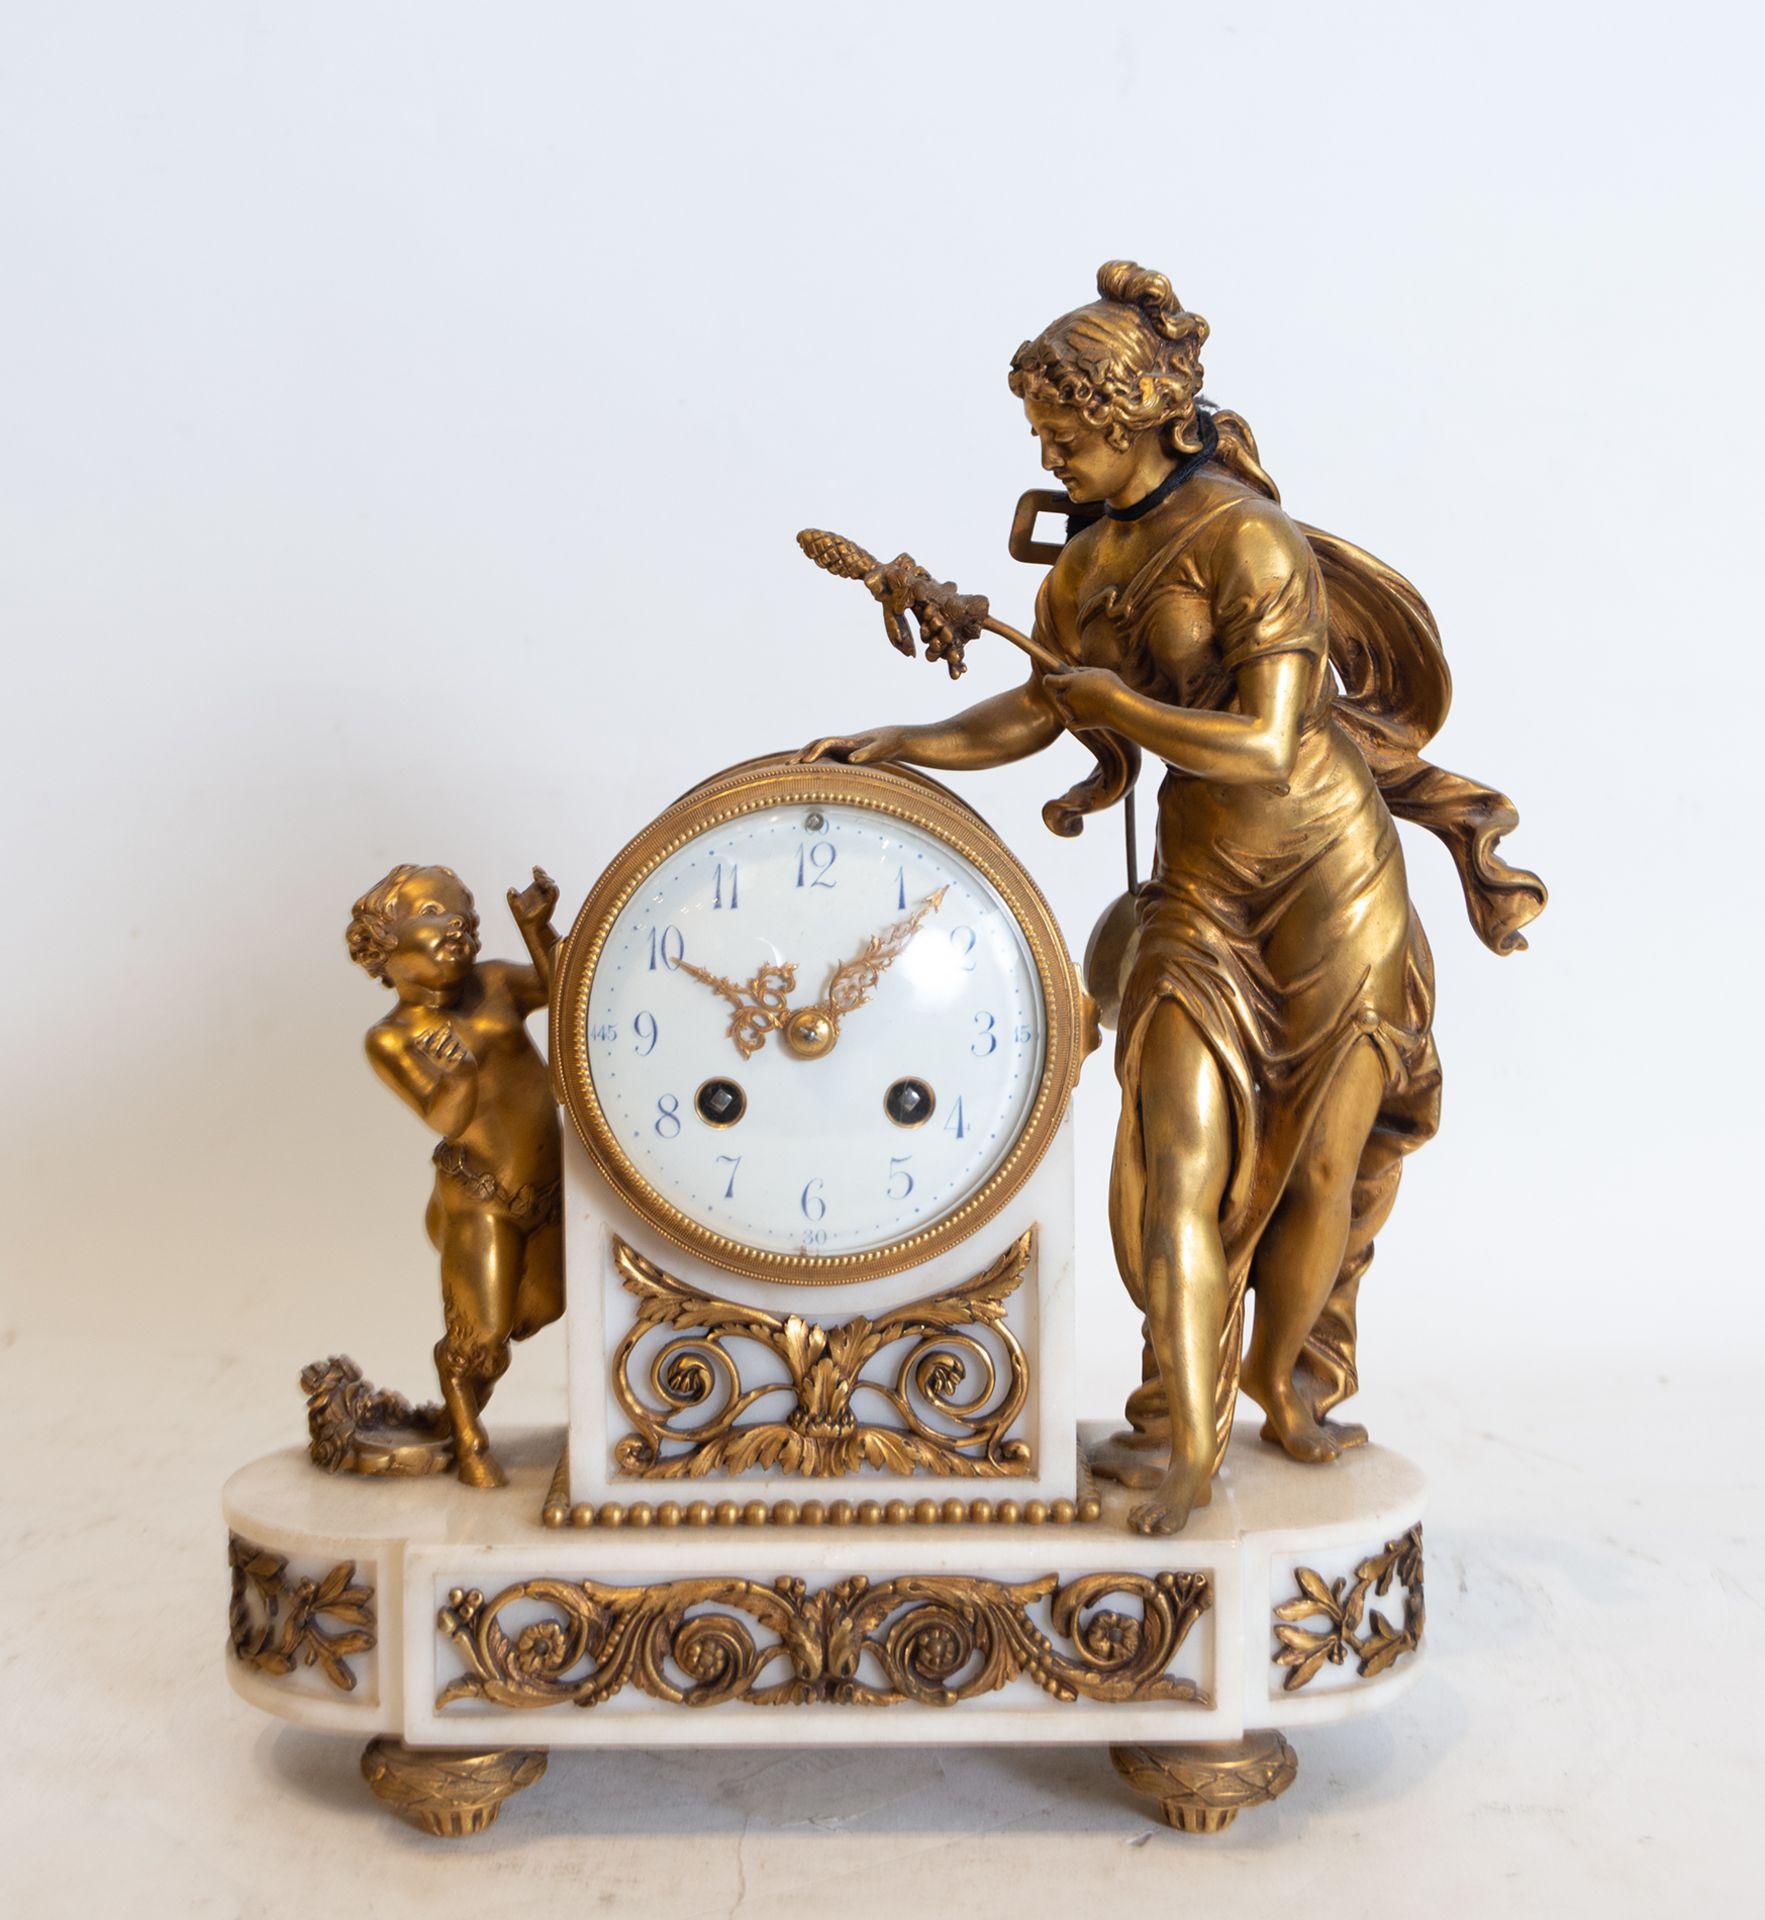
[1128, 363]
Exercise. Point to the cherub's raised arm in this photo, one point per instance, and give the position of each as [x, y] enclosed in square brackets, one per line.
[532, 909]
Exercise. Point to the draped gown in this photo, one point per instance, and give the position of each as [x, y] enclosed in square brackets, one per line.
[1277, 915]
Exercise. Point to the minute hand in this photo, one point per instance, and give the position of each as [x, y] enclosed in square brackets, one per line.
[854, 981]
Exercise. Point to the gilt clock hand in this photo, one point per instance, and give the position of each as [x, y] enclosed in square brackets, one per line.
[761, 1005]
[855, 980]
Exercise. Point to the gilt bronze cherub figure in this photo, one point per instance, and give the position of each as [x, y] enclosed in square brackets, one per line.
[456, 1050]
[1274, 1003]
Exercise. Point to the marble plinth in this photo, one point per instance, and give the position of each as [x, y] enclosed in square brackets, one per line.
[433, 1617]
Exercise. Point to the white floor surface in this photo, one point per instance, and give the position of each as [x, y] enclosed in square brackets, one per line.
[1583, 1738]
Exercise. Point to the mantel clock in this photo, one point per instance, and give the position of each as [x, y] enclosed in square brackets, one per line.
[816, 1030]
[816, 1033]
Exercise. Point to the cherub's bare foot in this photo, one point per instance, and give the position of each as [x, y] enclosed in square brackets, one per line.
[480, 1468]
[1184, 1488]
[1132, 1459]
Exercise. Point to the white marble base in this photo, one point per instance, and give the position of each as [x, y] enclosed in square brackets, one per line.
[1039, 1314]
[416, 1542]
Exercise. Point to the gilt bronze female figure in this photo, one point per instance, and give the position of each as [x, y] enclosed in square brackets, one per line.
[1275, 1002]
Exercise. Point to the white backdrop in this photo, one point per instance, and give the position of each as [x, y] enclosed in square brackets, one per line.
[408, 413]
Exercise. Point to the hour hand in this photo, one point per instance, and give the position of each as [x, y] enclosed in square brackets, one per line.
[761, 1004]
[854, 981]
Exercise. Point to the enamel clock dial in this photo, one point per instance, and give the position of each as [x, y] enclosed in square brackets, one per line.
[815, 1023]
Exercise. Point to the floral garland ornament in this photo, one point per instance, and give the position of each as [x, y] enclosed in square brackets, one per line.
[275, 1624]
[1306, 1650]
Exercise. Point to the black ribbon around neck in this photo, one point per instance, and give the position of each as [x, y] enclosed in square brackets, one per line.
[1191, 464]
[1185, 469]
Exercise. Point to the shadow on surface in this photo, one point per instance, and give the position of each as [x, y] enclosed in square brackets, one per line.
[1357, 1766]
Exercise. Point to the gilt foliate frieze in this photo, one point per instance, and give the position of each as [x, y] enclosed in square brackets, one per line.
[932, 1639]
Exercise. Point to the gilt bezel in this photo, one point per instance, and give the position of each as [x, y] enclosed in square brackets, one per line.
[902, 795]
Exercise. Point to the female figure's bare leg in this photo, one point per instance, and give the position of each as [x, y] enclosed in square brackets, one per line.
[1300, 1255]
[1186, 1132]
[480, 1270]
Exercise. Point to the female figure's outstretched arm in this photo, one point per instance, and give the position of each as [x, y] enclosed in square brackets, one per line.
[1010, 726]
[992, 733]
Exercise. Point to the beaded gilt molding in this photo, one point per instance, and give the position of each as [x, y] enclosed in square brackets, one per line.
[933, 1639]
[926, 1511]
[951, 1399]
[1305, 1651]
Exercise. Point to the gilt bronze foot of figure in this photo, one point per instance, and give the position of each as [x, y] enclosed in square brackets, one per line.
[1132, 1459]
[1175, 1494]
[1203, 1789]
[448, 1791]
[1138, 1456]
[1293, 1422]
[1314, 1442]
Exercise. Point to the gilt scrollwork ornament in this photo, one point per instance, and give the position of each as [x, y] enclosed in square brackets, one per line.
[953, 1397]
[276, 1623]
[934, 1639]
[1340, 1607]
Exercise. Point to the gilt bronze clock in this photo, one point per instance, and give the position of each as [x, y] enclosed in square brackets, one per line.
[815, 1028]
[816, 1033]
